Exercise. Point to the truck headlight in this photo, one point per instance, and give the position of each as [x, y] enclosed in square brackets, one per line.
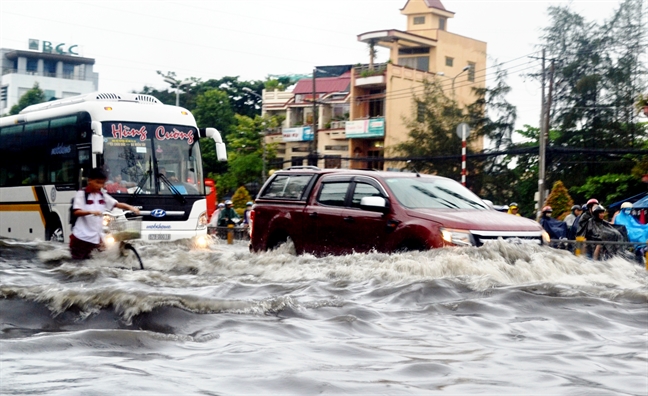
[546, 239]
[457, 237]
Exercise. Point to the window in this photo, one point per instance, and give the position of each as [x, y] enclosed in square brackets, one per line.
[68, 70]
[32, 65]
[418, 62]
[414, 51]
[420, 112]
[363, 190]
[292, 186]
[296, 161]
[442, 23]
[419, 20]
[471, 71]
[449, 61]
[49, 67]
[333, 161]
[333, 194]
[49, 94]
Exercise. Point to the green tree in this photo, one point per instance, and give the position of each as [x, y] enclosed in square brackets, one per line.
[245, 152]
[559, 200]
[610, 188]
[432, 132]
[493, 117]
[213, 110]
[34, 96]
[599, 73]
[240, 198]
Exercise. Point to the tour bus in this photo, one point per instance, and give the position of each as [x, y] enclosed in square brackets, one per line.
[149, 151]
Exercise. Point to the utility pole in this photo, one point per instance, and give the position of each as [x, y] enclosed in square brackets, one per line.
[544, 132]
[313, 151]
[541, 144]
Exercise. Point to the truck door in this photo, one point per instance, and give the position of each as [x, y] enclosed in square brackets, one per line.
[328, 233]
[369, 228]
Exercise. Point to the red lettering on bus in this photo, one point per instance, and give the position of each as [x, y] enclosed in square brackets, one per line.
[124, 131]
[163, 134]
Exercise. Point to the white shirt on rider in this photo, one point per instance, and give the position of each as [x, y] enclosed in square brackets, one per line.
[90, 228]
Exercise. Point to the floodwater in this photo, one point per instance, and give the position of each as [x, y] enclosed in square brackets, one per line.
[500, 319]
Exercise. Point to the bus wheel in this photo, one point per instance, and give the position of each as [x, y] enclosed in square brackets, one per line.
[54, 232]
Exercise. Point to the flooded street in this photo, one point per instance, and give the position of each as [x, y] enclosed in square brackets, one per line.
[499, 319]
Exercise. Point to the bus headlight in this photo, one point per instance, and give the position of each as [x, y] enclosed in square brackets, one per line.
[457, 237]
[201, 241]
[202, 221]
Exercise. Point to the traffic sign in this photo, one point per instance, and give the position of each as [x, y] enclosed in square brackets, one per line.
[463, 130]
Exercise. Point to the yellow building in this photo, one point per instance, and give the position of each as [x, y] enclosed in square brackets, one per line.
[424, 51]
[357, 123]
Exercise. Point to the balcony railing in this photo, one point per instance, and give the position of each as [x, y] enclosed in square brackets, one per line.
[366, 71]
[65, 75]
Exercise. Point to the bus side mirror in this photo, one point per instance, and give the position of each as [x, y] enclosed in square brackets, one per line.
[97, 137]
[221, 150]
[97, 144]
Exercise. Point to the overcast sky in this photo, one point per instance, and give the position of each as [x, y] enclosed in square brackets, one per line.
[251, 39]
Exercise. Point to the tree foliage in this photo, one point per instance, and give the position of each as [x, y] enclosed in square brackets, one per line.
[559, 200]
[599, 73]
[432, 131]
[33, 96]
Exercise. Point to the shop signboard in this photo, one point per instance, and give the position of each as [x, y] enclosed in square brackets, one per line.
[362, 129]
[298, 134]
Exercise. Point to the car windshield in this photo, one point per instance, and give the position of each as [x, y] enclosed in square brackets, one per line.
[433, 193]
[161, 159]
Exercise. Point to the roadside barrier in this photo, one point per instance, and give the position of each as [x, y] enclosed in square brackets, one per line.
[230, 233]
[582, 246]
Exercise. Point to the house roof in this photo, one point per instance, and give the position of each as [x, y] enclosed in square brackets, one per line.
[324, 84]
[432, 4]
[404, 39]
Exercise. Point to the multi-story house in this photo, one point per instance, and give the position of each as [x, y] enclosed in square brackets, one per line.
[57, 68]
[361, 109]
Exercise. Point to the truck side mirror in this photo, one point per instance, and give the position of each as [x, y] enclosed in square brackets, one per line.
[374, 204]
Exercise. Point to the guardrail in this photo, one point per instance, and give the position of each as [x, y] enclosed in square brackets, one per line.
[581, 246]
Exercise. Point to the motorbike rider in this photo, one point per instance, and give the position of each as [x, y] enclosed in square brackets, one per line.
[228, 215]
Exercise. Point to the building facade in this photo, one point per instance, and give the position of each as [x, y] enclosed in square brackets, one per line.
[59, 73]
[358, 124]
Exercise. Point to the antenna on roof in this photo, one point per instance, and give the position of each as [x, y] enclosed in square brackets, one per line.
[409, 162]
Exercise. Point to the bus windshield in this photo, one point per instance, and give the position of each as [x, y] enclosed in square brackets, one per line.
[149, 158]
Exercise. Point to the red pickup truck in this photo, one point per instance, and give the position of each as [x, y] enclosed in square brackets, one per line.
[340, 211]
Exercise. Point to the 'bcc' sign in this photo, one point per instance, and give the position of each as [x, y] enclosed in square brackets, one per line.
[49, 47]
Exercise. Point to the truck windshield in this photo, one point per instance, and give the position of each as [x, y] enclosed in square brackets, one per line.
[433, 193]
[161, 159]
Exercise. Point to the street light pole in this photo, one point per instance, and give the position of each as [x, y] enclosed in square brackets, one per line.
[466, 68]
[177, 84]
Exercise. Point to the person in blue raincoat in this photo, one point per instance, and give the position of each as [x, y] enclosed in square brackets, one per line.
[555, 228]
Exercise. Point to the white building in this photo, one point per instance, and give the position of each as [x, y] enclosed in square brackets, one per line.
[58, 74]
